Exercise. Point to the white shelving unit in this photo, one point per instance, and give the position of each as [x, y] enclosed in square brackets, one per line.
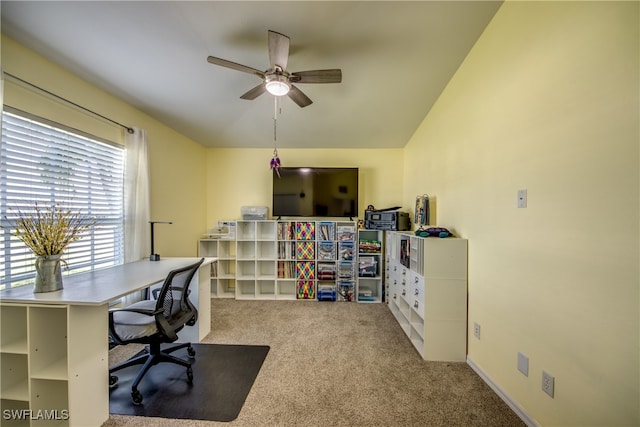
[44, 370]
[223, 271]
[370, 265]
[316, 260]
[255, 260]
[286, 260]
[427, 282]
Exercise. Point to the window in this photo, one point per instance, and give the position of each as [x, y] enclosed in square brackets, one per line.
[45, 163]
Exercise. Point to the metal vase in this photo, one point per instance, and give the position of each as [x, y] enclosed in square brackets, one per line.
[48, 274]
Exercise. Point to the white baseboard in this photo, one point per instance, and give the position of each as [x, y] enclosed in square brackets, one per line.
[520, 412]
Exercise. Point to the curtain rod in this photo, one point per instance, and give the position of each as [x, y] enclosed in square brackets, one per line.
[129, 129]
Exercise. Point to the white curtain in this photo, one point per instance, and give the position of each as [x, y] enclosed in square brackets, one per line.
[1, 90]
[136, 201]
[136, 197]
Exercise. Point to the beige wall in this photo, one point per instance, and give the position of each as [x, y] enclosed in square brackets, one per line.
[242, 177]
[546, 101]
[177, 164]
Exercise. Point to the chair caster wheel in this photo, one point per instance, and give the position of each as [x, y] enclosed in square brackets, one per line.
[191, 352]
[113, 381]
[136, 397]
[190, 375]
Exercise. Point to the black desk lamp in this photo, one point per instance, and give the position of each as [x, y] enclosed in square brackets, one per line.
[155, 257]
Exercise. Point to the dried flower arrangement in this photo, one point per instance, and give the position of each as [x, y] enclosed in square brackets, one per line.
[48, 231]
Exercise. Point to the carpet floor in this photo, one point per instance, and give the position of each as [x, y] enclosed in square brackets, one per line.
[339, 364]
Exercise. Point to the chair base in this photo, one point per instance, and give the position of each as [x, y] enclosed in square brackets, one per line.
[148, 357]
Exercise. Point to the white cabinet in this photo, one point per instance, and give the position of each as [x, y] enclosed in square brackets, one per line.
[223, 271]
[49, 357]
[370, 265]
[427, 282]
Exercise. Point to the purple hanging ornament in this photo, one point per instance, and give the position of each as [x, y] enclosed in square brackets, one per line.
[275, 162]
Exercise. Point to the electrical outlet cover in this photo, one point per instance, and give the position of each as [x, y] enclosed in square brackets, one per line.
[548, 383]
[476, 330]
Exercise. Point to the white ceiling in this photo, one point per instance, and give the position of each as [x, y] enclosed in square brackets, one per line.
[396, 58]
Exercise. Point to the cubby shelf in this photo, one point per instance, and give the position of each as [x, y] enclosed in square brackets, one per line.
[35, 359]
[370, 265]
[223, 271]
[426, 282]
[290, 259]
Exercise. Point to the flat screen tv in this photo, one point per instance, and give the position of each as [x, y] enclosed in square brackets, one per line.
[315, 192]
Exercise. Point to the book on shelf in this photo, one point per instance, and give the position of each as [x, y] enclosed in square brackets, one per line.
[286, 270]
[285, 230]
[286, 250]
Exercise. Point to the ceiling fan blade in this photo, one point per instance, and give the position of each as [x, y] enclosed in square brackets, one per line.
[278, 50]
[317, 76]
[255, 92]
[298, 97]
[234, 66]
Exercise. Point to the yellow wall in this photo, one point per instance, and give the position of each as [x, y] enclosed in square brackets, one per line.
[177, 164]
[546, 101]
[241, 177]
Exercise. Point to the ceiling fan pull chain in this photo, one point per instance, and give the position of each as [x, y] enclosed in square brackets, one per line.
[275, 120]
[276, 110]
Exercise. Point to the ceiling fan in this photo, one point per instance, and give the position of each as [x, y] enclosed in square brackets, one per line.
[277, 80]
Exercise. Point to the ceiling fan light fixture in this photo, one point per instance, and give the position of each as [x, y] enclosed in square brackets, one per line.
[277, 85]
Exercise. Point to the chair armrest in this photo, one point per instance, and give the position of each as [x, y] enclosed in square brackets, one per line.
[181, 289]
[136, 310]
[156, 291]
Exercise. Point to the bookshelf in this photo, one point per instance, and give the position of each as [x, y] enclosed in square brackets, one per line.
[297, 259]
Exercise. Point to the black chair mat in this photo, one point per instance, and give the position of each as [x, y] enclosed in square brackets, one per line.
[222, 378]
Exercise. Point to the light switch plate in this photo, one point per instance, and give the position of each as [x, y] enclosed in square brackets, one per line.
[523, 364]
[522, 198]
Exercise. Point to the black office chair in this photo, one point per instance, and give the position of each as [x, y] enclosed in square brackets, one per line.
[156, 322]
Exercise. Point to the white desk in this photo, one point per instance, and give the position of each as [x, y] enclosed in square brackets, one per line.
[54, 346]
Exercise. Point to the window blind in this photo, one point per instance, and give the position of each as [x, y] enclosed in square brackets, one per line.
[45, 163]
